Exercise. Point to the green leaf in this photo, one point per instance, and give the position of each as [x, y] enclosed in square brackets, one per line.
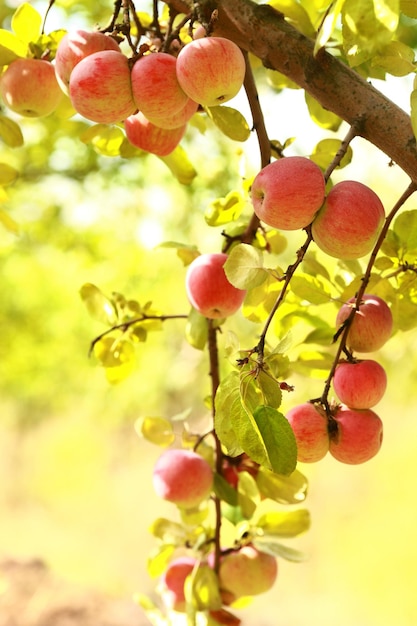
[405, 228]
[11, 47]
[396, 58]
[279, 81]
[26, 23]
[328, 25]
[279, 550]
[157, 430]
[196, 330]
[186, 252]
[168, 532]
[284, 523]
[180, 166]
[244, 267]
[9, 223]
[230, 121]
[10, 132]
[367, 27]
[409, 8]
[225, 210]
[325, 151]
[278, 439]
[116, 356]
[8, 174]
[201, 589]
[310, 288]
[290, 489]
[227, 403]
[259, 300]
[106, 140]
[248, 494]
[270, 389]
[224, 490]
[295, 14]
[322, 117]
[98, 305]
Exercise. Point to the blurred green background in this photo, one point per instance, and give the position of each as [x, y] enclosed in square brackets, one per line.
[75, 478]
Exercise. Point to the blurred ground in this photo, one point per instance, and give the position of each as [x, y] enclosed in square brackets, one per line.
[30, 595]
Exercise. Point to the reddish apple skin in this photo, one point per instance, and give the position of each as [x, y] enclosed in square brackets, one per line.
[208, 288]
[287, 193]
[309, 423]
[100, 87]
[182, 477]
[29, 87]
[173, 580]
[360, 384]
[156, 90]
[211, 70]
[146, 136]
[75, 46]
[357, 437]
[247, 572]
[348, 224]
[371, 326]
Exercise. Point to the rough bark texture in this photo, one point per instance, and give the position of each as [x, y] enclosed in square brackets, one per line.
[261, 30]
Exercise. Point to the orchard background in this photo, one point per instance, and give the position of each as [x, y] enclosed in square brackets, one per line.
[76, 477]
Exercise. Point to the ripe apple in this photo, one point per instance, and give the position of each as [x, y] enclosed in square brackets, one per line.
[177, 119]
[287, 193]
[247, 572]
[211, 70]
[75, 46]
[182, 477]
[348, 224]
[100, 87]
[355, 435]
[29, 87]
[233, 466]
[360, 384]
[146, 136]
[155, 87]
[208, 288]
[309, 423]
[371, 326]
[173, 580]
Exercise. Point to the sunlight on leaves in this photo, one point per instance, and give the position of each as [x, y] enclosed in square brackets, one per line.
[230, 121]
[244, 267]
[156, 430]
[26, 23]
[98, 305]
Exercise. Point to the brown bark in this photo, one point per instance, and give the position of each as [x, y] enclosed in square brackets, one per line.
[261, 30]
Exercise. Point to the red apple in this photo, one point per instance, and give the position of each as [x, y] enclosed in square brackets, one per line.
[173, 580]
[247, 572]
[371, 326]
[75, 46]
[211, 70]
[287, 193]
[156, 90]
[360, 384]
[348, 224]
[208, 288]
[309, 423]
[182, 477]
[100, 87]
[146, 136]
[29, 87]
[356, 435]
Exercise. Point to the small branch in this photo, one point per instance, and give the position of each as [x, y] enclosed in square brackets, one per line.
[258, 120]
[124, 326]
[365, 281]
[288, 276]
[353, 132]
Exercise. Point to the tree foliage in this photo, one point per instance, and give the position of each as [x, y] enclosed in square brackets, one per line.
[331, 52]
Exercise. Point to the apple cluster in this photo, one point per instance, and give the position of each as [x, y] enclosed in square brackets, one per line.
[290, 193]
[185, 478]
[154, 95]
[352, 432]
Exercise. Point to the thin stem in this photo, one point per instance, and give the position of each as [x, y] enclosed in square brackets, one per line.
[288, 276]
[365, 281]
[354, 131]
[215, 382]
[258, 120]
[124, 326]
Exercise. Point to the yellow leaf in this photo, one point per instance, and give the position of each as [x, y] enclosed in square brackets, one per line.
[156, 430]
[180, 166]
[27, 23]
[10, 47]
[10, 132]
[230, 121]
[8, 174]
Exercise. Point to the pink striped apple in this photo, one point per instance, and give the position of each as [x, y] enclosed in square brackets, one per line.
[348, 224]
[183, 477]
[355, 435]
[287, 193]
[208, 288]
[360, 384]
[146, 136]
[100, 88]
[371, 326]
[309, 424]
[247, 572]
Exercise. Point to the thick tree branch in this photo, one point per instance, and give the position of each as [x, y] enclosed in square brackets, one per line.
[261, 30]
